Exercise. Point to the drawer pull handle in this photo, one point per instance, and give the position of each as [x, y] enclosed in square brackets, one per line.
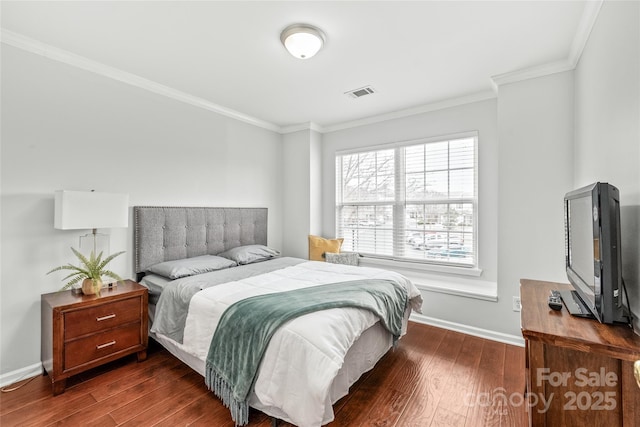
[109, 316]
[108, 344]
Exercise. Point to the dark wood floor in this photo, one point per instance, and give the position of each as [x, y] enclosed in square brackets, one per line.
[434, 378]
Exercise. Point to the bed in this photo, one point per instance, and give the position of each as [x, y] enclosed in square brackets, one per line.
[312, 360]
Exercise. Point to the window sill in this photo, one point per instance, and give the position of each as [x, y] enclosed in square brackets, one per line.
[429, 268]
[431, 278]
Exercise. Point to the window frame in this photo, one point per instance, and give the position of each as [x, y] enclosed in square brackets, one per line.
[400, 202]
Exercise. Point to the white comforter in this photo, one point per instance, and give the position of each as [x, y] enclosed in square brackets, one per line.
[304, 355]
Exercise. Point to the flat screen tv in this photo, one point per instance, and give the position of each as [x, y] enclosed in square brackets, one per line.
[593, 259]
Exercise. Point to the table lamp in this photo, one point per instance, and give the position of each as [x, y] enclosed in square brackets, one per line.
[81, 210]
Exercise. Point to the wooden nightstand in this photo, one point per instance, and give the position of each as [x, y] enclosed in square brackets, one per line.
[80, 332]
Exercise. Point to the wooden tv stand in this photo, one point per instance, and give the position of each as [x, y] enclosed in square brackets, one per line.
[579, 371]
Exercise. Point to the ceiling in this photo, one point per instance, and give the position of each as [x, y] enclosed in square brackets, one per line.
[229, 55]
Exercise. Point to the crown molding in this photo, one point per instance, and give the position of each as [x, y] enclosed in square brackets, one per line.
[531, 73]
[587, 21]
[302, 126]
[51, 52]
[448, 103]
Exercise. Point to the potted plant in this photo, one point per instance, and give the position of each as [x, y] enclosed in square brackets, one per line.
[91, 271]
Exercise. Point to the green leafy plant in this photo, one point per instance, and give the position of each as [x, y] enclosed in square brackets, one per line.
[93, 268]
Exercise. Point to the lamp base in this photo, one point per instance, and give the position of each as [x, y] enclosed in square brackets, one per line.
[96, 243]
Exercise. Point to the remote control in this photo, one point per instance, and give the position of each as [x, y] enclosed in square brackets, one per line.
[555, 301]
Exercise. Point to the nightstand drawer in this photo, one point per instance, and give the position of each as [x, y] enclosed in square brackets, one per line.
[95, 347]
[99, 318]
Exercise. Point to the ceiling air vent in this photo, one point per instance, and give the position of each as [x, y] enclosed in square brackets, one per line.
[359, 93]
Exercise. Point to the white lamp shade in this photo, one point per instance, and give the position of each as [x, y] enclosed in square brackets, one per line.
[302, 41]
[77, 210]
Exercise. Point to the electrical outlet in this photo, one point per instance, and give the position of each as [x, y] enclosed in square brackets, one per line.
[516, 304]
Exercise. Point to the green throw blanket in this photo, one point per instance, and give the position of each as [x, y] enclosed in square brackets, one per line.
[246, 327]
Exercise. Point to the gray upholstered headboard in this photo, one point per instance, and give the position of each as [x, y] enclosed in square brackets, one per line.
[165, 233]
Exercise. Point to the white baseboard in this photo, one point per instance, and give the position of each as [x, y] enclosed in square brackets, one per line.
[470, 330]
[20, 374]
[36, 368]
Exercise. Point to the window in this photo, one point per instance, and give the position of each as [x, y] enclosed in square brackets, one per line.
[414, 201]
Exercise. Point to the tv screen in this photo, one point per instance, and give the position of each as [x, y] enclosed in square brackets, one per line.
[592, 238]
[581, 244]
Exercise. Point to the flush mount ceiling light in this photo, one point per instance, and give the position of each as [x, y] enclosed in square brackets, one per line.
[302, 40]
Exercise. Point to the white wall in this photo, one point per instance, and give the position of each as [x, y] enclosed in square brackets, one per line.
[315, 184]
[65, 128]
[607, 123]
[535, 121]
[296, 193]
[302, 190]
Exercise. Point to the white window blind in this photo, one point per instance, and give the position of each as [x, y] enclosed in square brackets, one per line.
[415, 201]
